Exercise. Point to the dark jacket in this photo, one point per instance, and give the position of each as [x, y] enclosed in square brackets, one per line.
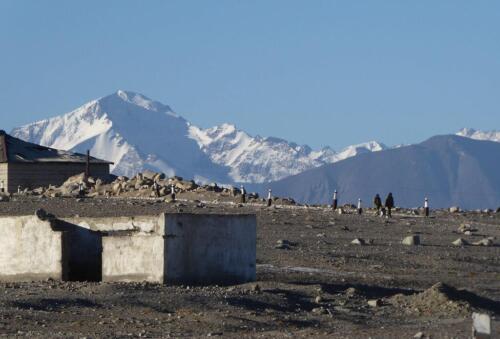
[377, 201]
[389, 201]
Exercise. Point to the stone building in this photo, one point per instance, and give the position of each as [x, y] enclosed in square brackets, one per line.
[30, 166]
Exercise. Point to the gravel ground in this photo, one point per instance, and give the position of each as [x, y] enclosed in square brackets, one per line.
[311, 281]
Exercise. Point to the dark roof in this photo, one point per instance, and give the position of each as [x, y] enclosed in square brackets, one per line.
[14, 150]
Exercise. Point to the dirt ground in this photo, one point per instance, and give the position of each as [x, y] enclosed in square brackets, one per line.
[311, 281]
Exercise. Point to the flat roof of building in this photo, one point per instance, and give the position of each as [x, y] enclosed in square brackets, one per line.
[14, 150]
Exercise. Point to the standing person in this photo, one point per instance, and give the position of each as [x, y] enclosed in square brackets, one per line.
[377, 201]
[243, 194]
[389, 204]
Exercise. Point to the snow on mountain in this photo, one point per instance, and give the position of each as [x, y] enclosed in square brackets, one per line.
[479, 135]
[137, 133]
[130, 130]
[258, 159]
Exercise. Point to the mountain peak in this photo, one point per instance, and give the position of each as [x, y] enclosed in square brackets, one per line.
[128, 97]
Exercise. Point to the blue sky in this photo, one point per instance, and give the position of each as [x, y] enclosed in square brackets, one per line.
[316, 72]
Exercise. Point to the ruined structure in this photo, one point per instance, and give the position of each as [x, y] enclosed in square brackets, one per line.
[171, 248]
[30, 166]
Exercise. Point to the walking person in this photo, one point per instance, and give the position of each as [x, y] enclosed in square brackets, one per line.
[389, 204]
[377, 202]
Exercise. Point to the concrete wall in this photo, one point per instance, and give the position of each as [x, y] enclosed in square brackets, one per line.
[33, 175]
[145, 224]
[30, 250]
[133, 258]
[210, 249]
[174, 248]
[3, 175]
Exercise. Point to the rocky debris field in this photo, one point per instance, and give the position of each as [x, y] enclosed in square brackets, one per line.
[143, 185]
[319, 274]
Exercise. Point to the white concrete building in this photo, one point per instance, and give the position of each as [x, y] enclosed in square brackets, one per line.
[172, 248]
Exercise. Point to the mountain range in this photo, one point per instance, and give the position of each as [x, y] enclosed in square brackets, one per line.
[137, 133]
[449, 170]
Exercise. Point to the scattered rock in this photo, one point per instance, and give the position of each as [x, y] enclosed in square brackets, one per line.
[214, 334]
[283, 244]
[351, 291]
[375, 302]
[454, 209]
[411, 240]
[255, 288]
[358, 241]
[419, 335]
[483, 242]
[460, 242]
[481, 325]
[318, 299]
[466, 228]
[319, 310]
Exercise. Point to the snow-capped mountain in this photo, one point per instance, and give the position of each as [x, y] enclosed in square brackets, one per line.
[479, 135]
[137, 133]
[258, 159]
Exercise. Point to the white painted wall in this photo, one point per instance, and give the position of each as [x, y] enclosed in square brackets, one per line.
[133, 258]
[29, 249]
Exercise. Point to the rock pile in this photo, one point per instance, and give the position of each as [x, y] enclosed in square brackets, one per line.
[145, 184]
[440, 299]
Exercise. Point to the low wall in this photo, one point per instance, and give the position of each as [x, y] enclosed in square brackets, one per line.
[210, 249]
[146, 224]
[173, 248]
[133, 258]
[30, 250]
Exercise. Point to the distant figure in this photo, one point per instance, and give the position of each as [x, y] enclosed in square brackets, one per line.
[156, 189]
[389, 204]
[426, 207]
[80, 189]
[334, 202]
[360, 208]
[243, 194]
[172, 192]
[2, 187]
[269, 198]
[377, 202]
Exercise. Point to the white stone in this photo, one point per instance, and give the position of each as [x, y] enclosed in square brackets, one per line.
[411, 240]
[481, 324]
